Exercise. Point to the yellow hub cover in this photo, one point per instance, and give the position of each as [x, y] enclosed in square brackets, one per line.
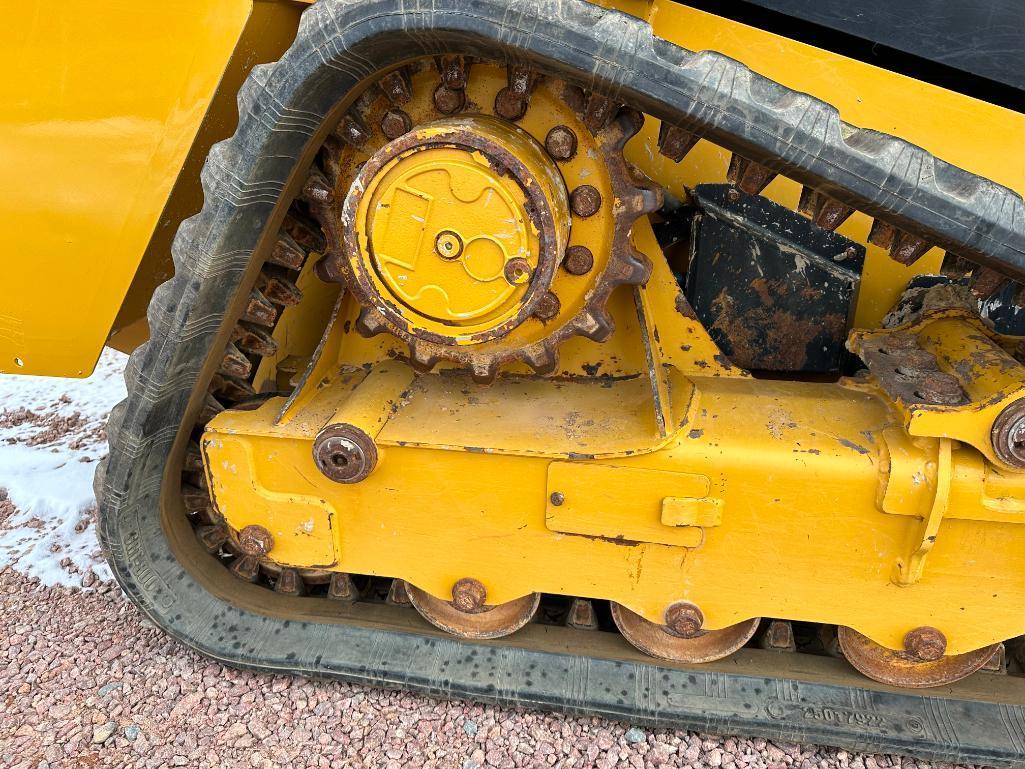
[454, 231]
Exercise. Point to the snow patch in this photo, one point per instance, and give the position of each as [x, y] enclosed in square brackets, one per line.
[51, 437]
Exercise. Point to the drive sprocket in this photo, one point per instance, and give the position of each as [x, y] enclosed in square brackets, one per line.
[483, 220]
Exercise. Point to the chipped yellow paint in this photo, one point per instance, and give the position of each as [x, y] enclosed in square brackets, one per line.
[764, 498]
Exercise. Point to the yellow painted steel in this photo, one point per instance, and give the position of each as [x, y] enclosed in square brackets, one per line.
[105, 128]
[440, 226]
[764, 498]
[99, 104]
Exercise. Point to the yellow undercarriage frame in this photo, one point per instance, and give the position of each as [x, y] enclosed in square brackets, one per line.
[674, 476]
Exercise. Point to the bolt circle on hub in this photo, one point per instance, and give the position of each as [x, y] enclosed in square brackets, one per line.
[477, 192]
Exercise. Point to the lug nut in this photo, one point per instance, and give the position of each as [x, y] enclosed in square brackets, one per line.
[447, 100]
[926, 643]
[585, 200]
[255, 540]
[684, 619]
[561, 143]
[396, 123]
[579, 260]
[517, 271]
[548, 306]
[468, 595]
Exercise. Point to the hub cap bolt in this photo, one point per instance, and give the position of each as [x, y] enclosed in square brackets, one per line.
[926, 643]
[468, 595]
[517, 271]
[255, 540]
[561, 143]
[684, 619]
[579, 260]
[585, 200]
[344, 453]
[548, 306]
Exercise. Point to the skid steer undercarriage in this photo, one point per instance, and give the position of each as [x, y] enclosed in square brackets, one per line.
[437, 341]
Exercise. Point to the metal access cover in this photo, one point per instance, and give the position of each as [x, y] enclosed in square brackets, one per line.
[775, 292]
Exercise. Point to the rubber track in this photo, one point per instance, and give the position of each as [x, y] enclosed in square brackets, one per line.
[340, 45]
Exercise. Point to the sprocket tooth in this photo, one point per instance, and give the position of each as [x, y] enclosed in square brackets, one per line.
[289, 582]
[599, 111]
[342, 588]
[234, 363]
[254, 340]
[596, 325]
[260, 310]
[395, 86]
[212, 537]
[370, 322]
[193, 459]
[748, 176]
[421, 358]
[823, 210]
[280, 291]
[246, 568]
[211, 408]
[304, 231]
[483, 371]
[904, 247]
[317, 191]
[455, 71]
[194, 498]
[542, 358]
[674, 143]
[985, 282]
[232, 390]
[352, 131]
[287, 253]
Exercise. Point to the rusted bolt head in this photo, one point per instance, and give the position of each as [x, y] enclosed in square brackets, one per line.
[448, 100]
[468, 595]
[940, 388]
[900, 340]
[255, 540]
[344, 453]
[579, 260]
[684, 619]
[561, 143]
[925, 643]
[510, 105]
[914, 362]
[517, 271]
[548, 306]
[1008, 435]
[733, 195]
[585, 200]
[557, 498]
[396, 123]
[448, 244]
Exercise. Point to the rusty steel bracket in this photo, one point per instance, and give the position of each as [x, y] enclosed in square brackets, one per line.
[949, 376]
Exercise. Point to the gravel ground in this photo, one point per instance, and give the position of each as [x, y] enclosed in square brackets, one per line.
[87, 681]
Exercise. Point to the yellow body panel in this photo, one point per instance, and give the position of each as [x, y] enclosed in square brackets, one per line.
[747, 497]
[113, 100]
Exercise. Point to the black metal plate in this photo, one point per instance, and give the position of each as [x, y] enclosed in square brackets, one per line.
[775, 292]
